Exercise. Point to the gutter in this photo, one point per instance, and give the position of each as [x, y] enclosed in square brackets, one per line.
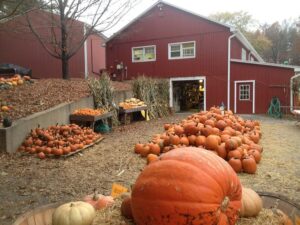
[86, 71]
[292, 92]
[228, 69]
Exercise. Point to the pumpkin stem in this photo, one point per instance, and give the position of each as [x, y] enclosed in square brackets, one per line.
[72, 204]
[224, 204]
[95, 196]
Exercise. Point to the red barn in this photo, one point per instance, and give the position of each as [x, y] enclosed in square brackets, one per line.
[206, 62]
[19, 46]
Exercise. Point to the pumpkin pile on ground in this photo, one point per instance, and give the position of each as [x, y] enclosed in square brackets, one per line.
[16, 80]
[58, 140]
[185, 186]
[225, 134]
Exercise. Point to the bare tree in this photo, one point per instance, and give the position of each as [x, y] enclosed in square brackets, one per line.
[58, 28]
[9, 8]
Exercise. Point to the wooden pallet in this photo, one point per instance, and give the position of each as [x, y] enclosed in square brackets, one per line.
[80, 150]
[71, 153]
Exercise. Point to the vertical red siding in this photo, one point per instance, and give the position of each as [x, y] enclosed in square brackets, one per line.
[22, 48]
[96, 54]
[269, 81]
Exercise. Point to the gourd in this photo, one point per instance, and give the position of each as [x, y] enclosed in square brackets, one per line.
[74, 213]
[99, 201]
[194, 193]
[251, 203]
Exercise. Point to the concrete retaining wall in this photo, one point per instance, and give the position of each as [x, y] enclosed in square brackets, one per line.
[12, 137]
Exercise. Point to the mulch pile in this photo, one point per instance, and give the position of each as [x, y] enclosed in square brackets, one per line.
[46, 93]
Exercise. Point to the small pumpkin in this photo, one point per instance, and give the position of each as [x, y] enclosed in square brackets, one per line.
[74, 213]
[151, 158]
[126, 210]
[251, 203]
[200, 141]
[212, 142]
[138, 148]
[99, 201]
[154, 149]
[236, 164]
[249, 165]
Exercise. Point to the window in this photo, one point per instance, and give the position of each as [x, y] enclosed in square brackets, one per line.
[245, 92]
[144, 54]
[182, 50]
[244, 54]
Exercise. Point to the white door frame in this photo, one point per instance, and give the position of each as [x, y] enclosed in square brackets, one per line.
[185, 79]
[253, 93]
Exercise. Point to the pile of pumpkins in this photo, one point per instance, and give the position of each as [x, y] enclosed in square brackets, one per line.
[131, 103]
[58, 140]
[6, 83]
[89, 112]
[225, 134]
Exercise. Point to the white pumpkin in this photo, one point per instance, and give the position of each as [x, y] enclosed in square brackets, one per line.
[251, 203]
[74, 213]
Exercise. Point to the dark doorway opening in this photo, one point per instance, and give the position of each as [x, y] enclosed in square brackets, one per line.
[188, 95]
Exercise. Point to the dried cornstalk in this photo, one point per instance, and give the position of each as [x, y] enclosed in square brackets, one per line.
[103, 91]
[155, 93]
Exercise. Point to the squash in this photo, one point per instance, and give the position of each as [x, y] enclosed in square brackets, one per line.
[249, 165]
[126, 208]
[99, 201]
[251, 203]
[195, 193]
[152, 158]
[74, 213]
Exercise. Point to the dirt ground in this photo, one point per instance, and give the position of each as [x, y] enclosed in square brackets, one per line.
[27, 182]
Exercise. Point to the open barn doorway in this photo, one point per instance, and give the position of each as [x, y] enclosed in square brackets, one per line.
[187, 94]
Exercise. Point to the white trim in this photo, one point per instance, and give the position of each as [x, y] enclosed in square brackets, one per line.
[292, 92]
[181, 50]
[143, 47]
[264, 64]
[184, 79]
[247, 44]
[228, 69]
[86, 70]
[253, 93]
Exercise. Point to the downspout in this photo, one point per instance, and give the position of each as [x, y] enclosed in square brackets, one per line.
[86, 71]
[228, 70]
[292, 92]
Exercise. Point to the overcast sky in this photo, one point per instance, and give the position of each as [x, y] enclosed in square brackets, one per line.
[265, 11]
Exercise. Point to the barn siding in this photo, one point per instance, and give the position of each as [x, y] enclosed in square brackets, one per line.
[171, 25]
[161, 28]
[96, 54]
[269, 81]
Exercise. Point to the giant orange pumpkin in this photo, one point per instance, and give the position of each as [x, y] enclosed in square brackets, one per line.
[202, 189]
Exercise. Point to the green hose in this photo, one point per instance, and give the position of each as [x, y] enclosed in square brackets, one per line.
[274, 109]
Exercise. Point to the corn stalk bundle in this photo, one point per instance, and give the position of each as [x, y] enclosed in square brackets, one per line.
[155, 93]
[103, 93]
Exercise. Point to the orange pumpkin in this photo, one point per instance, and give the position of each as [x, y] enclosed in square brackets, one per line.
[212, 142]
[249, 165]
[160, 197]
[151, 158]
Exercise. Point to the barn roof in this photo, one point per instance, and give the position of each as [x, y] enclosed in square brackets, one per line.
[295, 68]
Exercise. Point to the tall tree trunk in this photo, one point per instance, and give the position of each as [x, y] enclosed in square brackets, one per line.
[64, 43]
[65, 67]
